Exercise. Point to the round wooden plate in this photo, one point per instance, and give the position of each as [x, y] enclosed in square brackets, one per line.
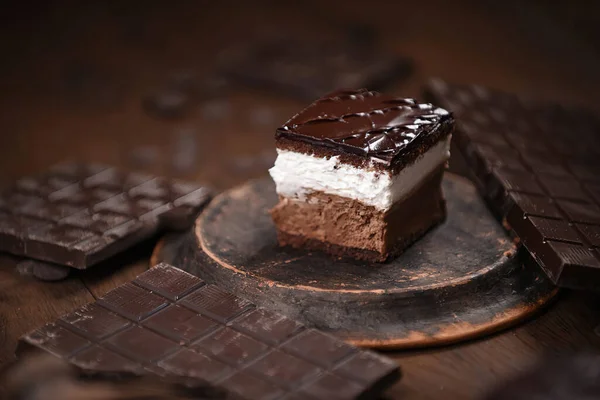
[462, 280]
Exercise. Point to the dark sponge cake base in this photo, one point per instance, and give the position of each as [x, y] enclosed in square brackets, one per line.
[344, 227]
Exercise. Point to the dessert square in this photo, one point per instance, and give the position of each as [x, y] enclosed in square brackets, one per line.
[358, 174]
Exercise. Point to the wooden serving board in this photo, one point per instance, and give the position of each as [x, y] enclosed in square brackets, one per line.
[462, 280]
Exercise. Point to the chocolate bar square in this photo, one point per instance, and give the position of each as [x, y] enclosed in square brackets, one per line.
[93, 321]
[250, 387]
[215, 303]
[190, 363]
[98, 222]
[180, 324]
[580, 212]
[99, 359]
[267, 324]
[591, 233]
[333, 387]
[535, 205]
[232, 346]
[284, 370]
[373, 364]
[325, 350]
[142, 344]
[168, 282]
[57, 340]
[552, 229]
[132, 301]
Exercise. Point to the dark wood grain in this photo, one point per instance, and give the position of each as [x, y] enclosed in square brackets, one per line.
[73, 75]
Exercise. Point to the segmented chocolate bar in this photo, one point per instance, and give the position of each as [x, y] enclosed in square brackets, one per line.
[169, 322]
[537, 166]
[80, 214]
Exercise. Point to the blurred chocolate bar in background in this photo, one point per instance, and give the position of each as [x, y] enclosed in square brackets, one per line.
[77, 215]
[308, 69]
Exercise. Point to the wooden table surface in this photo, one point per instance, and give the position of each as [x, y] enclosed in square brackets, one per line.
[72, 76]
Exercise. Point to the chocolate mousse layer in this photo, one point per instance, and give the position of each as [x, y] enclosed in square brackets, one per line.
[348, 228]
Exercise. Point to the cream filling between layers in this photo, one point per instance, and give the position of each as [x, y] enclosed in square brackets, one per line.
[296, 175]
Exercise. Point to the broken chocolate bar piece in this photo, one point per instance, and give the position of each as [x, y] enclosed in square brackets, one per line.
[77, 215]
[309, 69]
[359, 174]
[174, 324]
[537, 166]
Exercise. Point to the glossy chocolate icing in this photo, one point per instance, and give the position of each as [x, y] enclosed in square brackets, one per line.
[369, 124]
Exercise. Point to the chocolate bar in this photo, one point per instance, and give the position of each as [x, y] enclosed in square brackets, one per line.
[80, 214]
[310, 69]
[537, 166]
[171, 323]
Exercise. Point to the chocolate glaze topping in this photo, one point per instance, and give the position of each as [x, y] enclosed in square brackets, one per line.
[369, 124]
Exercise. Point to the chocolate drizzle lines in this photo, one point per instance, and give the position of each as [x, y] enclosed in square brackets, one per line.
[369, 124]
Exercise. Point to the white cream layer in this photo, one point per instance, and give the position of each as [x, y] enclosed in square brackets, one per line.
[296, 175]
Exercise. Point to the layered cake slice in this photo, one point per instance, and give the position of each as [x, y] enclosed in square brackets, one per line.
[359, 173]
